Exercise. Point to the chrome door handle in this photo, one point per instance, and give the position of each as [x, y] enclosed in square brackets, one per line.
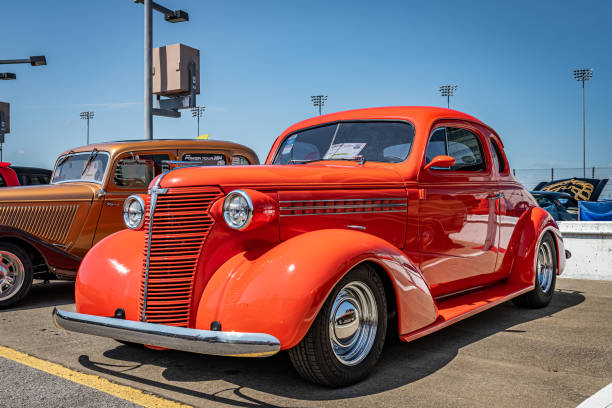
[109, 204]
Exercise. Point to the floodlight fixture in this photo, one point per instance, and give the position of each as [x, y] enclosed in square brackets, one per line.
[35, 61]
[87, 116]
[318, 101]
[448, 91]
[7, 75]
[197, 113]
[582, 75]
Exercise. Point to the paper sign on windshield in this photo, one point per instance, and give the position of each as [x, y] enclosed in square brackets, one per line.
[344, 151]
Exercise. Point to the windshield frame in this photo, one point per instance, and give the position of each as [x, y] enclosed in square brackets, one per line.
[80, 180]
[336, 122]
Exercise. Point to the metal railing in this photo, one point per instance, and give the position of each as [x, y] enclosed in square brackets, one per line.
[531, 177]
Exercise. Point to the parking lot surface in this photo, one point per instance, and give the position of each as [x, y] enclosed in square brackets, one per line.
[503, 357]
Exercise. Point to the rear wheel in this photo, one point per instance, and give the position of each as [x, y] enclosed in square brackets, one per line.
[346, 339]
[16, 274]
[546, 276]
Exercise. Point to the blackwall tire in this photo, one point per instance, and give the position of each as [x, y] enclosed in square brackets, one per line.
[546, 276]
[16, 274]
[346, 339]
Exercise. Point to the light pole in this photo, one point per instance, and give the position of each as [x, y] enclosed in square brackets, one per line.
[448, 91]
[197, 113]
[172, 16]
[318, 101]
[35, 61]
[88, 116]
[583, 75]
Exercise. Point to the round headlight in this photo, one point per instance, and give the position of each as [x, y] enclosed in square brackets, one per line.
[237, 209]
[134, 212]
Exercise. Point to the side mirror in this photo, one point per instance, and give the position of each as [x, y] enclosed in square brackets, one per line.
[440, 161]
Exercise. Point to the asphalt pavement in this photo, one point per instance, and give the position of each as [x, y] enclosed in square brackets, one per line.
[503, 357]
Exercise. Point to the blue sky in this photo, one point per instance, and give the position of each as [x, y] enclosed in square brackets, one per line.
[261, 61]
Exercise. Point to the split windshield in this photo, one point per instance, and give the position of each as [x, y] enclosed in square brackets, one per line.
[82, 166]
[381, 141]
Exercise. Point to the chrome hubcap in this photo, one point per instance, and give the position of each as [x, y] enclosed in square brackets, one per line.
[545, 267]
[352, 323]
[12, 275]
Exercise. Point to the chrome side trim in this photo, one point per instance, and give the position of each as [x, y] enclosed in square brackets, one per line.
[346, 212]
[217, 343]
[345, 199]
[331, 207]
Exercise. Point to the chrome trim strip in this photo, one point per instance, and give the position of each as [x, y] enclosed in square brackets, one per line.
[346, 212]
[217, 343]
[331, 207]
[154, 192]
[345, 199]
[359, 227]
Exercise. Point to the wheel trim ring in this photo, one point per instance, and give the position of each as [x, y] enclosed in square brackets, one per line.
[357, 349]
[545, 267]
[11, 266]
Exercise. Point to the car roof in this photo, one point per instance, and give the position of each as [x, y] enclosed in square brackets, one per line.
[124, 146]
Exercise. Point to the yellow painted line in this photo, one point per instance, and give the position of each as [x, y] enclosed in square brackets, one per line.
[101, 384]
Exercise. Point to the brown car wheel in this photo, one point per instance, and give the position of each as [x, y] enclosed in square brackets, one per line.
[345, 341]
[546, 276]
[15, 274]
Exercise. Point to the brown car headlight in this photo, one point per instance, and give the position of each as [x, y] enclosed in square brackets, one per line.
[134, 212]
[237, 210]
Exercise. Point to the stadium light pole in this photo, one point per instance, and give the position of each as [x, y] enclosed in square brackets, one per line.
[172, 16]
[88, 116]
[583, 75]
[35, 61]
[197, 113]
[318, 101]
[448, 91]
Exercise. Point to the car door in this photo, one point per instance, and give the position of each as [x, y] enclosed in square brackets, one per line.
[131, 174]
[458, 224]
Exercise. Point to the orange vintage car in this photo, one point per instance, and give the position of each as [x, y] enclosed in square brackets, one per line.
[45, 230]
[405, 218]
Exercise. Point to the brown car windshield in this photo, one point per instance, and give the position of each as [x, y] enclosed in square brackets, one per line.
[82, 166]
[379, 141]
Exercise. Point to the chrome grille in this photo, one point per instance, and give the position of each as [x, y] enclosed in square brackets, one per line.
[181, 223]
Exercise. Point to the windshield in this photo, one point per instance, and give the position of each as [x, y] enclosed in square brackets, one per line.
[380, 141]
[82, 166]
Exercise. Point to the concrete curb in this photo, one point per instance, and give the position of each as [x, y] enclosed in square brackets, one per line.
[590, 243]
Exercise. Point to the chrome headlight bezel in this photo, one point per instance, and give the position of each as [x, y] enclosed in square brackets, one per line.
[247, 207]
[126, 207]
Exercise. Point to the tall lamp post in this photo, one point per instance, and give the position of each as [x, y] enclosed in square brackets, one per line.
[448, 91]
[318, 101]
[197, 113]
[583, 75]
[172, 16]
[88, 116]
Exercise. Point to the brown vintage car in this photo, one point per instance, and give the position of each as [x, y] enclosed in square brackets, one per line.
[46, 230]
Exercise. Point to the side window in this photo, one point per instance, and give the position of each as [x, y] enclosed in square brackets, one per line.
[497, 157]
[138, 170]
[461, 144]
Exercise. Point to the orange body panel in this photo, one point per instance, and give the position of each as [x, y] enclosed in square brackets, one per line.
[436, 236]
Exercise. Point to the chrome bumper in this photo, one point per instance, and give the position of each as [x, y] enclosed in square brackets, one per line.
[216, 343]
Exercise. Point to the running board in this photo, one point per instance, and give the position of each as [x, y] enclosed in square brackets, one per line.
[461, 307]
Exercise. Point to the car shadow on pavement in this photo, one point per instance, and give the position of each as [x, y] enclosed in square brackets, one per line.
[401, 363]
[54, 293]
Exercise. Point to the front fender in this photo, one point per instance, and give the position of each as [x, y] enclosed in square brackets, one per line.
[280, 291]
[533, 225]
[110, 275]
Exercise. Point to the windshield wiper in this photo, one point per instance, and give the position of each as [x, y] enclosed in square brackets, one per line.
[92, 156]
[296, 161]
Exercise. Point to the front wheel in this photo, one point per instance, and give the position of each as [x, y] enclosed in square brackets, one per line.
[546, 276]
[16, 274]
[346, 339]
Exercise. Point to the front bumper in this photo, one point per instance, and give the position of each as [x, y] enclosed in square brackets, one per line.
[216, 343]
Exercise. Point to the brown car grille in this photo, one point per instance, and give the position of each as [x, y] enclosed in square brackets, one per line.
[48, 222]
[181, 223]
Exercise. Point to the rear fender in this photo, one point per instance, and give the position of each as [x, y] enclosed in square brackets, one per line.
[532, 226]
[281, 290]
